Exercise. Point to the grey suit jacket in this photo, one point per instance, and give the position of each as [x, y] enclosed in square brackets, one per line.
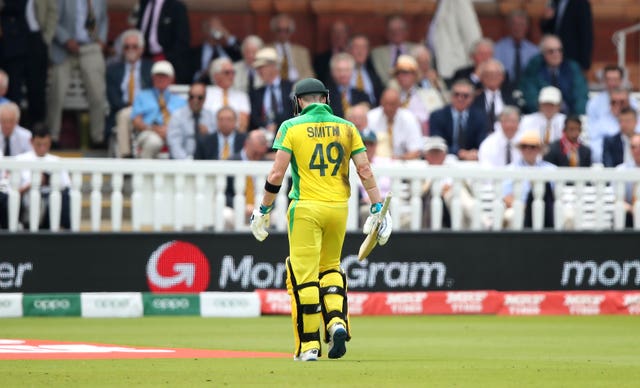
[65, 29]
[381, 58]
[47, 16]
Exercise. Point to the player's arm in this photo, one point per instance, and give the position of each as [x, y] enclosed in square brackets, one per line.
[363, 167]
[275, 177]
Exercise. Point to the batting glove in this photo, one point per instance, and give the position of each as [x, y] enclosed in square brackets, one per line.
[259, 222]
[384, 231]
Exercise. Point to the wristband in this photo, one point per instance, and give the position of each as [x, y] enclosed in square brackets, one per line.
[375, 207]
[273, 189]
[266, 209]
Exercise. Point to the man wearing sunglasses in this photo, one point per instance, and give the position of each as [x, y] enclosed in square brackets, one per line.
[190, 123]
[125, 79]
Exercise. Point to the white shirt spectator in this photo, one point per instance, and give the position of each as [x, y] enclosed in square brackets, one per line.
[25, 177]
[407, 136]
[238, 100]
[493, 149]
[181, 131]
[19, 141]
[539, 122]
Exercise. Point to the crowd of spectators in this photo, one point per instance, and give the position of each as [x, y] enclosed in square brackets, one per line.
[476, 97]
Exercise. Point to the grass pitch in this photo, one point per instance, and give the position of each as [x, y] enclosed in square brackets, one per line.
[406, 351]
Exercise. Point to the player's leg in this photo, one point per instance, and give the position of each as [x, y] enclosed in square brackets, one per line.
[333, 282]
[302, 277]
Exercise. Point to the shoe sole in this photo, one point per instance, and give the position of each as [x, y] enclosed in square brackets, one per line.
[339, 348]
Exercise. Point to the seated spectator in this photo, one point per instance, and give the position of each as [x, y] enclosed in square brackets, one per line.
[338, 42]
[568, 151]
[499, 148]
[4, 87]
[419, 101]
[41, 142]
[598, 104]
[495, 92]
[461, 125]
[397, 129]
[152, 109]
[188, 123]
[344, 96]
[270, 103]
[551, 69]
[222, 94]
[616, 149]
[515, 50]
[435, 154]
[125, 79]
[481, 51]
[548, 121]
[246, 78]
[429, 79]
[295, 61]
[225, 142]
[384, 57]
[4, 197]
[218, 43]
[15, 140]
[631, 188]
[530, 145]
[364, 76]
[609, 123]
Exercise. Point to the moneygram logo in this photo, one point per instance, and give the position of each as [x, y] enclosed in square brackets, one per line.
[178, 266]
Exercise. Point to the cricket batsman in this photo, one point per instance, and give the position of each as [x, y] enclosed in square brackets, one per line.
[318, 145]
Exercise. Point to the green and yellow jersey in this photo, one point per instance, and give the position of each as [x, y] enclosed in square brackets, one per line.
[321, 146]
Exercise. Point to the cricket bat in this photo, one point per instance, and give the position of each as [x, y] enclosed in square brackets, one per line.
[372, 238]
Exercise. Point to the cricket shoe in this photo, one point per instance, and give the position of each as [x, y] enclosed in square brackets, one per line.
[337, 346]
[309, 355]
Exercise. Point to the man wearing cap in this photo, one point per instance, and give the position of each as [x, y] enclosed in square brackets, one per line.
[344, 96]
[548, 121]
[152, 109]
[270, 103]
[530, 145]
[319, 147]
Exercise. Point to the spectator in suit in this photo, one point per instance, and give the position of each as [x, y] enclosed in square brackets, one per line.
[481, 51]
[462, 126]
[419, 101]
[548, 121]
[499, 148]
[218, 43]
[530, 145]
[429, 79]
[189, 123]
[631, 188]
[364, 76]
[165, 26]
[396, 128]
[270, 103]
[80, 37]
[608, 124]
[41, 143]
[385, 57]
[295, 59]
[598, 106]
[152, 109]
[246, 78]
[4, 87]
[125, 79]
[225, 142]
[551, 68]
[338, 42]
[344, 96]
[222, 94]
[616, 149]
[515, 50]
[453, 29]
[15, 140]
[27, 30]
[495, 92]
[572, 22]
[569, 151]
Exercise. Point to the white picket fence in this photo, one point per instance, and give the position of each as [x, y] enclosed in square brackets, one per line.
[190, 195]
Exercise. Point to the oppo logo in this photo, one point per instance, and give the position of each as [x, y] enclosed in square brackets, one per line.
[111, 303]
[4, 304]
[178, 266]
[170, 303]
[230, 303]
[52, 304]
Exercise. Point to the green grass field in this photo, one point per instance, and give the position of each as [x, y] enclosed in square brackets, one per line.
[408, 351]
